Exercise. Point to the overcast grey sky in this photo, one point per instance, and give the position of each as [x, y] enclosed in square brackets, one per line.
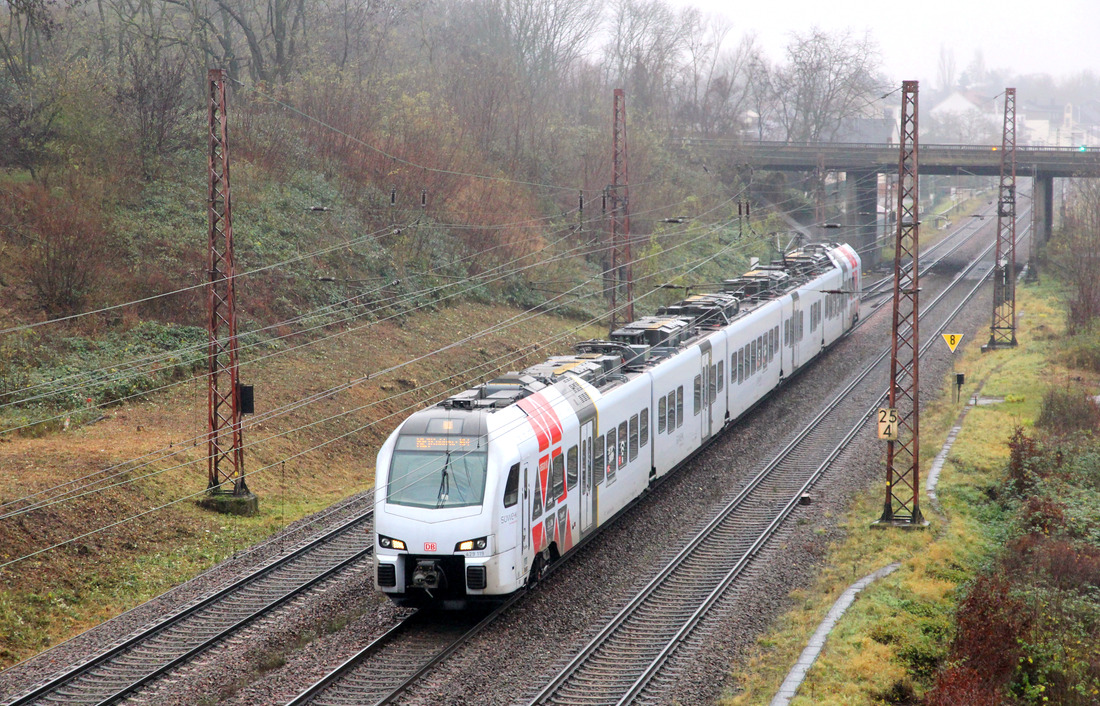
[1059, 37]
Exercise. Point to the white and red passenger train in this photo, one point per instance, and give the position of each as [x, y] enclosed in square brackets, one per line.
[476, 495]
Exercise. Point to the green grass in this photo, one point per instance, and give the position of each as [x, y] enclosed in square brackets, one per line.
[893, 640]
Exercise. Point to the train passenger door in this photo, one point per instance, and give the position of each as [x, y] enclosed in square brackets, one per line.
[704, 393]
[587, 499]
[796, 329]
[525, 525]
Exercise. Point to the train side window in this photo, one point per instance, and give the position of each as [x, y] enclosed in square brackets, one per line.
[598, 466]
[634, 437]
[612, 454]
[511, 486]
[536, 504]
[622, 444]
[557, 477]
[712, 385]
[698, 394]
[786, 332]
[571, 467]
[680, 406]
[775, 340]
[721, 374]
[662, 410]
[643, 428]
[671, 411]
[740, 365]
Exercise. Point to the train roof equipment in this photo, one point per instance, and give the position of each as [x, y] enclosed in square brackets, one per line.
[640, 343]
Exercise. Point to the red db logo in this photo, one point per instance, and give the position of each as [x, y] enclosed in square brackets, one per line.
[429, 546]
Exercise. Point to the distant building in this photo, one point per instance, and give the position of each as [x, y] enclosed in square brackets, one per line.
[1059, 125]
[964, 116]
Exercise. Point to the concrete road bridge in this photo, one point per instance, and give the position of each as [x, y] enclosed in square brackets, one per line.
[864, 162]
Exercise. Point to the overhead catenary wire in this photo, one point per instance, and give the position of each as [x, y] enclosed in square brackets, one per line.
[518, 317]
[326, 324]
[251, 473]
[312, 398]
[166, 355]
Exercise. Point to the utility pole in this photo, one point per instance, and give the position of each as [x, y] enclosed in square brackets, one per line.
[1002, 333]
[622, 265]
[819, 196]
[225, 455]
[902, 506]
[1032, 258]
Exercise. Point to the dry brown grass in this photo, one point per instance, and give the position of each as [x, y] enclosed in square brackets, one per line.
[64, 591]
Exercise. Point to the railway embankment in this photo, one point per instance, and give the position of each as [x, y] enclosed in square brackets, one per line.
[996, 602]
[135, 539]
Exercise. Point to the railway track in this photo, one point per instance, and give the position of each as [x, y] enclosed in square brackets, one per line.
[153, 652]
[378, 674]
[370, 676]
[628, 660]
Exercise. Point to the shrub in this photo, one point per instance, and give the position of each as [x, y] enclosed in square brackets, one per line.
[986, 649]
[1068, 409]
[64, 242]
[1025, 453]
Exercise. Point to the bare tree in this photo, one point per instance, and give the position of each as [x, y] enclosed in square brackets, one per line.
[646, 38]
[156, 104]
[946, 73]
[29, 25]
[760, 91]
[828, 78]
[1077, 253]
[63, 242]
[717, 87]
[274, 32]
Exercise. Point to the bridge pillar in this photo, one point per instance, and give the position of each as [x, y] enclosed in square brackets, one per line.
[861, 217]
[1042, 194]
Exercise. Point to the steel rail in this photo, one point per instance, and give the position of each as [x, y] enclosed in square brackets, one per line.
[135, 640]
[631, 609]
[737, 569]
[347, 668]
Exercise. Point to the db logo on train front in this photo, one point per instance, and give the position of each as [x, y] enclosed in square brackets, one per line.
[429, 546]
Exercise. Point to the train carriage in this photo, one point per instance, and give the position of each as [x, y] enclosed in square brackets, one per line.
[475, 496]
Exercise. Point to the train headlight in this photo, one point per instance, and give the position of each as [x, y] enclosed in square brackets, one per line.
[471, 545]
[390, 543]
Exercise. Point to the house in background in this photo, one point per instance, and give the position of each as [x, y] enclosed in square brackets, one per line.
[1059, 124]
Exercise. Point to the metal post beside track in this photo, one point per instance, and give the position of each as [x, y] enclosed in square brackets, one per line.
[902, 505]
[1002, 333]
[622, 266]
[226, 486]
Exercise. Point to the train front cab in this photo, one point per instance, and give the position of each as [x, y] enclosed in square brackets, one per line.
[446, 518]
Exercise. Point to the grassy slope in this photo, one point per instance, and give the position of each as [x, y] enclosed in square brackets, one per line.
[889, 644]
[65, 591]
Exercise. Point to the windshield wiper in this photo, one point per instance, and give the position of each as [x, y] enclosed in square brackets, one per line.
[444, 483]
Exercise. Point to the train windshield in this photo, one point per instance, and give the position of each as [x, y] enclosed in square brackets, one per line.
[437, 471]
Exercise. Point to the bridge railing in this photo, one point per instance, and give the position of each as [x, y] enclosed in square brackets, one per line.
[803, 147]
